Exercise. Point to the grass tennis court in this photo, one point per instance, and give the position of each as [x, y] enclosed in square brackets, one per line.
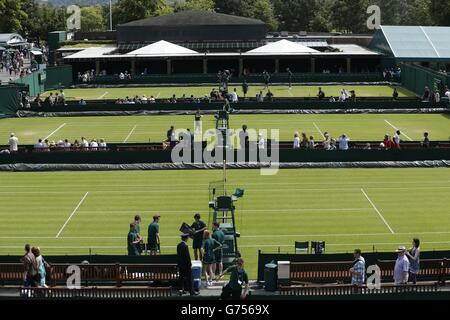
[278, 91]
[132, 129]
[70, 212]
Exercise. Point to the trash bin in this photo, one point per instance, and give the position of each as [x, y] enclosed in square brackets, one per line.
[196, 274]
[270, 276]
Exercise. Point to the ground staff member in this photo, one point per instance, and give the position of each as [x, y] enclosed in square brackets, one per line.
[199, 227]
[153, 243]
[238, 279]
[219, 236]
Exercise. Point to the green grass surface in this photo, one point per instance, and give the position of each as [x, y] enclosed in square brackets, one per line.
[278, 91]
[295, 205]
[359, 127]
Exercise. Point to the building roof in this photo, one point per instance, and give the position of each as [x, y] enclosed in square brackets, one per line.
[413, 43]
[92, 53]
[193, 18]
[11, 39]
[351, 50]
[162, 48]
[282, 47]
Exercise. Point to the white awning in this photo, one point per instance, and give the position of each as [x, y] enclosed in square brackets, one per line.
[162, 48]
[282, 47]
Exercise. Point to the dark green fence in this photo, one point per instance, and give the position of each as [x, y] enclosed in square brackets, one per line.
[35, 82]
[416, 78]
[9, 99]
[58, 77]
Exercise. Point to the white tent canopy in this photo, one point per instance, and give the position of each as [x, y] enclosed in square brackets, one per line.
[162, 48]
[282, 47]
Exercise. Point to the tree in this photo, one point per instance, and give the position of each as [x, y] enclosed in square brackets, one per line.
[130, 10]
[12, 16]
[92, 19]
[294, 15]
[258, 9]
[349, 15]
[440, 12]
[205, 5]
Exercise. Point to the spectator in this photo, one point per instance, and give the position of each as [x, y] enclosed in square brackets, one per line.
[266, 78]
[269, 96]
[401, 268]
[185, 266]
[30, 273]
[358, 269]
[243, 137]
[153, 243]
[210, 247]
[387, 142]
[426, 141]
[245, 88]
[38, 100]
[199, 227]
[367, 146]
[219, 236]
[312, 144]
[321, 94]
[413, 255]
[327, 141]
[238, 279]
[13, 143]
[304, 143]
[84, 143]
[82, 102]
[261, 141]
[67, 144]
[259, 97]
[426, 95]
[290, 76]
[152, 100]
[234, 96]
[396, 139]
[132, 241]
[447, 92]
[353, 96]
[332, 145]
[39, 145]
[171, 136]
[102, 145]
[343, 142]
[42, 266]
[395, 94]
[296, 141]
[93, 145]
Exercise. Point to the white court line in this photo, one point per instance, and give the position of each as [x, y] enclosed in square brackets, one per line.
[290, 92]
[143, 211]
[71, 215]
[318, 129]
[378, 211]
[103, 95]
[407, 137]
[336, 235]
[129, 135]
[57, 129]
[157, 96]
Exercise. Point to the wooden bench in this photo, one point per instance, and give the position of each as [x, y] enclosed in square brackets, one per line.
[320, 272]
[340, 290]
[96, 293]
[114, 274]
[430, 270]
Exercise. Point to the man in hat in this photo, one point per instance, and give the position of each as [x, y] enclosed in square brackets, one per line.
[401, 269]
[184, 266]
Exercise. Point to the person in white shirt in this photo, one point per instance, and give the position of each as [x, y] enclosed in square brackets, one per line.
[39, 145]
[67, 144]
[152, 99]
[102, 144]
[144, 99]
[60, 144]
[261, 142]
[84, 143]
[397, 137]
[94, 144]
[13, 143]
[296, 141]
[401, 268]
[447, 92]
[343, 142]
[327, 141]
[234, 96]
[122, 76]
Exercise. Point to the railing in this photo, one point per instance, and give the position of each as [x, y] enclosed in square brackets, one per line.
[335, 290]
[320, 272]
[95, 293]
[430, 269]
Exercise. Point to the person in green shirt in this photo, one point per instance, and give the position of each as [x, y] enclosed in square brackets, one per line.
[238, 279]
[137, 230]
[219, 236]
[199, 227]
[210, 246]
[132, 241]
[153, 243]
